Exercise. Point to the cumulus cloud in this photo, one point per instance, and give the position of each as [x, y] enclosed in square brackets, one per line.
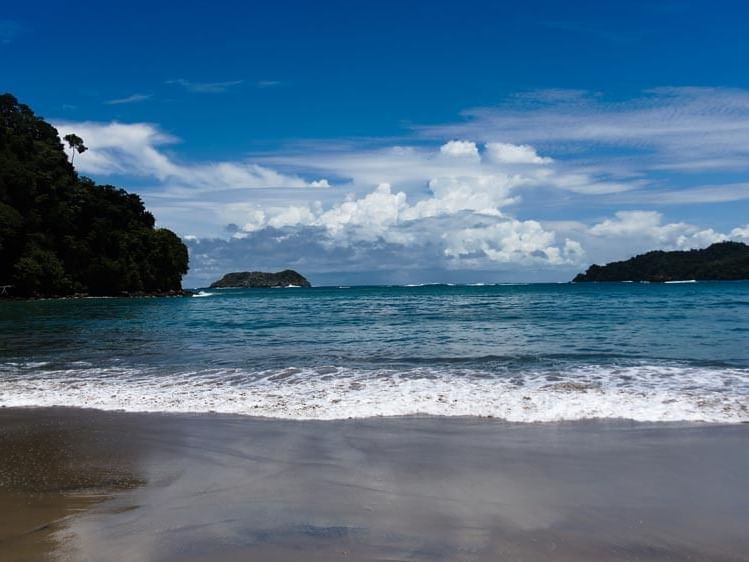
[512, 241]
[380, 212]
[462, 247]
[648, 226]
[740, 234]
[460, 149]
[484, 194]
[428, 208]
[367, 218]
[627, 233]
[515, 153]
[386, 215]
[457, 248]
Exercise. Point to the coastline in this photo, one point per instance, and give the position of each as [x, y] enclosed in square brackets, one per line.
[80, 296]
[111, 485]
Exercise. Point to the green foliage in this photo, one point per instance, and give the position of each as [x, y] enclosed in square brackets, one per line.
[10, 225]
[61, 234]
[40, 271]
[724, 261]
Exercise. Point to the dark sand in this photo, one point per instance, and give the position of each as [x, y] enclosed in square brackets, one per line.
[85, 485]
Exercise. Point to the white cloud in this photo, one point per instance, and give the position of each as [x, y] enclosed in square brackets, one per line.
[648, 226]
[428, 182]
[460, 149]
[628, 223]
[515, 153]
[411, 167]
[681, 129]
[472, 203]
[136, 149]
[119, 148]
[129, 99]
[740, 234]
[369, 217]
[461, 247]
[484, 194]
[461, 217]
[695, 195]
[511, 241]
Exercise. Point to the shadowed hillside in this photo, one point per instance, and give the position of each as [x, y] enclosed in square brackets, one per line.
[724, 261]
[61, 234]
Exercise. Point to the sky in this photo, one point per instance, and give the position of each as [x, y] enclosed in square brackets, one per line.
[403, 141]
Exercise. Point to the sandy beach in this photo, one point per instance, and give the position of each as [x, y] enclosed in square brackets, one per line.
[88, 485]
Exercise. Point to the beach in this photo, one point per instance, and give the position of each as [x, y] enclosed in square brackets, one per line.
[79, 484]
[425, 423]
[374, 282]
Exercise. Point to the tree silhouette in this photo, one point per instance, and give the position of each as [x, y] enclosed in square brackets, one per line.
[76, 144]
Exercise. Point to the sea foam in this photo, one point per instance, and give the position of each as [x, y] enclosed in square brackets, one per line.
[642, 392]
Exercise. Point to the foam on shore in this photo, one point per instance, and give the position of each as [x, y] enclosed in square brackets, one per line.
[642, 392]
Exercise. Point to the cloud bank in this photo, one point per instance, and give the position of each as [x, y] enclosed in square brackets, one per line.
[536, 188]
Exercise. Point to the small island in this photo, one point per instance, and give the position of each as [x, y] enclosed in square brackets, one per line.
[261, 280]
[723, 261]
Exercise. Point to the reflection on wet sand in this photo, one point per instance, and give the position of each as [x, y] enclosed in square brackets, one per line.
[231, 488]
[51, 470]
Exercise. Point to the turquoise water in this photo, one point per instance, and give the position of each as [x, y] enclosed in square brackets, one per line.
[518, 352]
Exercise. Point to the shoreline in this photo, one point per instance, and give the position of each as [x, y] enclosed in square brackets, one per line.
[83, 296]
[458, 418]
[94, 485]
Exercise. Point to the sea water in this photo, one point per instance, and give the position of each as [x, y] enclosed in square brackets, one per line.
[528, 353]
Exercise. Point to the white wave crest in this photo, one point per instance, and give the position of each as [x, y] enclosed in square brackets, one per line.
[642, 393]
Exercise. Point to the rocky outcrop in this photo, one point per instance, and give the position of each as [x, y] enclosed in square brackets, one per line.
[261, 280]
[724, 261]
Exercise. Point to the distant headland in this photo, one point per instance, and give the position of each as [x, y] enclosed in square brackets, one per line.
[724, 261]
[261, 280]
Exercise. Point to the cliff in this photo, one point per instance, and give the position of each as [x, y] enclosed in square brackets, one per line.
[261, 280]
[724, 261]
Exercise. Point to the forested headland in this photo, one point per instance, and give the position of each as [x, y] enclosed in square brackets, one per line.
[723, 261]
[62, 234]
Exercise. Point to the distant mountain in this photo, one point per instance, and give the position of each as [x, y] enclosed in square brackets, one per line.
[724, 261]
[261, 280]
[62, 234]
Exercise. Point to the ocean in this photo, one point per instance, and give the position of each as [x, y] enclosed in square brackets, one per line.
[523, 353]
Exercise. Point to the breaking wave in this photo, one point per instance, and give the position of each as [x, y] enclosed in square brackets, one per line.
[637, 392]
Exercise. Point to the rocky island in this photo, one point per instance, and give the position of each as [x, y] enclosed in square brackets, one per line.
[724, 261]
[261, 280]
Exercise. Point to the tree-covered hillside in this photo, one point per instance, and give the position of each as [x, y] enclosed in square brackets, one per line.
[724, 261]
[62, 234]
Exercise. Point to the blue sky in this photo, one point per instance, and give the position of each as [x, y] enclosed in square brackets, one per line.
[403, 141]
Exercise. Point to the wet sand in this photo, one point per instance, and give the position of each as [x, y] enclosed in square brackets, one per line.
[87, 485]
